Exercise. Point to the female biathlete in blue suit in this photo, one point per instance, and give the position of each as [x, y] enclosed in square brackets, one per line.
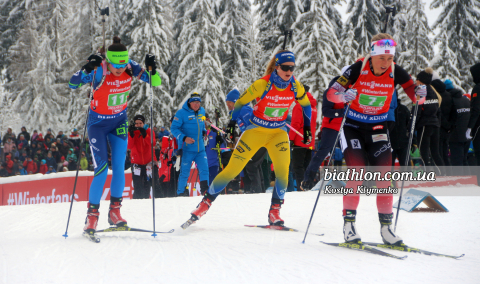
[107, 120]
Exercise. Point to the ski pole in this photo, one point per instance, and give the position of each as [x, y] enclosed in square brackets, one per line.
[323, 180]
[410, 139]
[152, 134]
[103, 13]
[296, 131]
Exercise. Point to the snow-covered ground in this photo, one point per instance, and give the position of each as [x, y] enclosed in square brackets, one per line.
[219, 249]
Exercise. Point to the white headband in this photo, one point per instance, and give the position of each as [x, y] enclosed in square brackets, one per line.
[384, 49]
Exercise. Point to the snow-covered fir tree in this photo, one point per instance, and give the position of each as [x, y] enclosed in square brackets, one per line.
[11, 19]
[349, 47]
[446, 60]
[414, 32]
[459, 20]
[316, 48]
[234, 23]
[151, 35]
[365, 19]
[199, 67]
[275, 17]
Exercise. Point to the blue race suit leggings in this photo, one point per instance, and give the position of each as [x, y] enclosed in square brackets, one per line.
[200, 158]
[104, 130]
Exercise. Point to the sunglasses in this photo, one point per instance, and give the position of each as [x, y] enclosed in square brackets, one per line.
[287, 67]
[385, 42]
[118, 66]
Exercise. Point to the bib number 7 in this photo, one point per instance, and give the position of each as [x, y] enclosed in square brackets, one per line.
[375, 101]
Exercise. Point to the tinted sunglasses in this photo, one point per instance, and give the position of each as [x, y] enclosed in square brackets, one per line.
[385, 42]
[118, 66]
[287, 67]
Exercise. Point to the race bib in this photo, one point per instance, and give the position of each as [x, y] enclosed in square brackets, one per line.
[275, 112]
[117, 99]
[374, 101]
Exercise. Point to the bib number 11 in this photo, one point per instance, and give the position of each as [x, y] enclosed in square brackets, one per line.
[117, 99]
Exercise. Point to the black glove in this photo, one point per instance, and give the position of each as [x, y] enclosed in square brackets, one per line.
[94, 61]
[231, 130]
[143, 131]
[131, 130]
[179, 153]
[150, 62]
[307, 135]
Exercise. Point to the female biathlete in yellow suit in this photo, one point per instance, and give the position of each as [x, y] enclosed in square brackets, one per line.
[276, 91]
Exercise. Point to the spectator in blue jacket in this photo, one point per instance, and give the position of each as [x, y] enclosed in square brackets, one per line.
[188, 127]
[162, 133]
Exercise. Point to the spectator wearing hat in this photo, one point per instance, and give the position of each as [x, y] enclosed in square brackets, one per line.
[75, 138]
[9, 134]
[162, 133]
[188, 127]
[447, 124]
[34, 136]
[140, 145]
[49, 135]
[9, 164]
[428, 123]
[71, 155]
[22, 170]
[39, 138]
[8, 145]
[22, 141]
[43, 167]
[25, 134]
[60, 135]
[51, 170]
[50, 160]
[30, 165]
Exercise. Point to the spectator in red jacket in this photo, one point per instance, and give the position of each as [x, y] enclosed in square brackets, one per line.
[30, 165]
[43, 167]
[9, 162]
[302, 153]
[140, 144]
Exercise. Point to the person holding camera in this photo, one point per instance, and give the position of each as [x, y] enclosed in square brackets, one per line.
[140, 146]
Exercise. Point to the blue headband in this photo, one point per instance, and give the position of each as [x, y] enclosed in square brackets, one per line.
[286, 56]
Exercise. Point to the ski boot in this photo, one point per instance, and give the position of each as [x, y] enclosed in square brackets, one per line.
[114, 217]
[349, 228]
[91, 220]
[274, 215]
[201, 210]
[388, 236]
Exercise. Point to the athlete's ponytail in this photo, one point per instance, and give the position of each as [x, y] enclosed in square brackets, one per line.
[271, 64]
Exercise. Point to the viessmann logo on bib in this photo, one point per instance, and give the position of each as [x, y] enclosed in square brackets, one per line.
[373, 85]
[117, 83]
[277, 98]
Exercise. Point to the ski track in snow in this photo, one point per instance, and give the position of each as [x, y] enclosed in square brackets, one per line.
[219, 249]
